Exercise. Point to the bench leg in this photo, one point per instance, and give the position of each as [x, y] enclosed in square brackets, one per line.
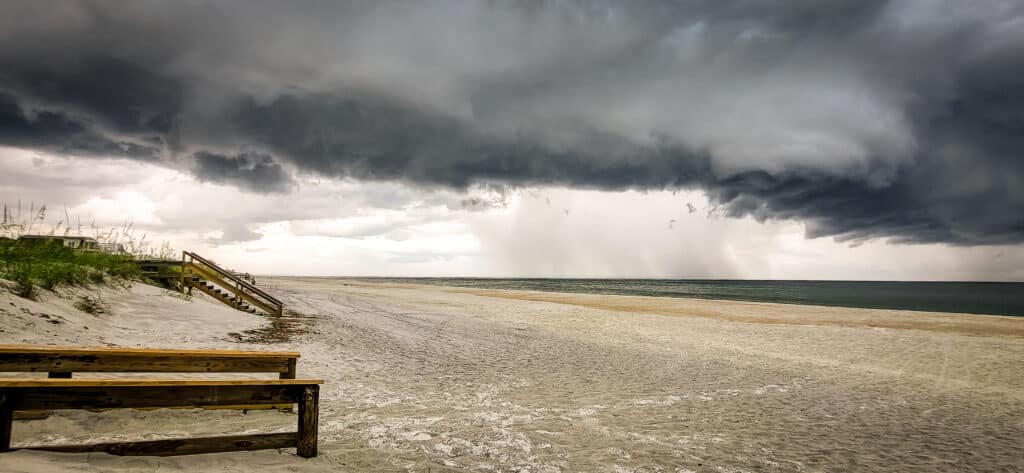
[308, 415]
[292, 369]
[6, 420]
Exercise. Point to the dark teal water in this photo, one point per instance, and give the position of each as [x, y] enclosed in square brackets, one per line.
[997, 298]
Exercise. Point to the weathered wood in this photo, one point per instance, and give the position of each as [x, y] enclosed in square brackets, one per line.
[308, 421]
[42, 394]
[6, 419]
[55, 349]
[184, 287]
[30, 415]
[292, 370]
[188, 446]
[6, 383]
[156, 396]
[36, 415]
[59, 362]
[118, 362]
[242, 283]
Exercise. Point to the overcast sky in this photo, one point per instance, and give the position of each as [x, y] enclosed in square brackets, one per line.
[855, 139]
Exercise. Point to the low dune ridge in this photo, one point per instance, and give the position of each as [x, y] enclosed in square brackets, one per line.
[786, 314]
[426, 378]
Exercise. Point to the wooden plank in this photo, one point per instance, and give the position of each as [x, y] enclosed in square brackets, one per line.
[106, 397]
[96, 383]
[118, 362]
[173, 275]
[234, 443]
[36, 415]
[55, 349]
[31, 415]
[245, 407]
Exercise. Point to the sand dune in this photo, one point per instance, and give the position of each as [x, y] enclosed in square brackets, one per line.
[439, 379]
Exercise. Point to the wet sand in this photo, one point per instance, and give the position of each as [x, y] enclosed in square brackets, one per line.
[435, 379]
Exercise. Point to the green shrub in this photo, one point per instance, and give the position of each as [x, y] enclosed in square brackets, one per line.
[26, 290]
[50, 264]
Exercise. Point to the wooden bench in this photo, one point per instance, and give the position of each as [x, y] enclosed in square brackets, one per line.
[48, 394]
[61, 362]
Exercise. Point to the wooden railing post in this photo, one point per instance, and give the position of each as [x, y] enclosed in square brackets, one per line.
[182, 271]
[305, 442]
[241, 291]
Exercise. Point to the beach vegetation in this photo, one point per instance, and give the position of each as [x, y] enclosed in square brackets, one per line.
[34, 253]
[48, 264]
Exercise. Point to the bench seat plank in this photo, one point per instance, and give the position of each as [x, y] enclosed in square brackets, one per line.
[60, 362]
[120, 363]
[92, 383]
[66, 350]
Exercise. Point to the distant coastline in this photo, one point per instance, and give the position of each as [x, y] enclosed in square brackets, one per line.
[988, 298]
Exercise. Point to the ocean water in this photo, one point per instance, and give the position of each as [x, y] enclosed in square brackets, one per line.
[996, 298]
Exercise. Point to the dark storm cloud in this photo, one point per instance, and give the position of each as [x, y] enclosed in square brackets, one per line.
[369, 138]
[251, 171]
[56, 131]
[116, 93]
[863, 119]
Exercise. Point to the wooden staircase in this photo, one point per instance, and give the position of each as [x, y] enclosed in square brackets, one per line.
[223, 285]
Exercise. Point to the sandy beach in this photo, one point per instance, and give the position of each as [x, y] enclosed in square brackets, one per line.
[423, 378]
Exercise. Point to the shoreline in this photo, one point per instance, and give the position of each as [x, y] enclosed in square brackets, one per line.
[783, 313]
[959, 297]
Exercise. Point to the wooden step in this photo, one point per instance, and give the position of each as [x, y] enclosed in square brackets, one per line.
[224, 294]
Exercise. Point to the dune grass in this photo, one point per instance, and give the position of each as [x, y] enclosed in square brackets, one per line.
[50, 264]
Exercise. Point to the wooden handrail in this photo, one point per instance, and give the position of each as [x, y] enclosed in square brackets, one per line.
[210, 275]
[231, 277]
